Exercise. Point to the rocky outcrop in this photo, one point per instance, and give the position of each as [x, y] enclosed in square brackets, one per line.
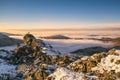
[103, 65]
[34, 60]
[86, 63]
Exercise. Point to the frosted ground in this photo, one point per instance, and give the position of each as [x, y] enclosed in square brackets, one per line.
[6, 68]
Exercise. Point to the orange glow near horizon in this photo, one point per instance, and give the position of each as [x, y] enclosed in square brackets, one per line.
[57, 25]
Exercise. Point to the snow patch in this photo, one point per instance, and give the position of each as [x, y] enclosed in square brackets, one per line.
[84, 58]
[50, 51]
[3, 54]
[108, 63]
[6, 68]
[66, 74]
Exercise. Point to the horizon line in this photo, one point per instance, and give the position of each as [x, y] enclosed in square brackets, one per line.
[67, 29]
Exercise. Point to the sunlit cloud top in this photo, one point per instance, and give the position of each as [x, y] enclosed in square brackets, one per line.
[25, 14]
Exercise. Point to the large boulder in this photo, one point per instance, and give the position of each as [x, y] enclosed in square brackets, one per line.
[30, 40]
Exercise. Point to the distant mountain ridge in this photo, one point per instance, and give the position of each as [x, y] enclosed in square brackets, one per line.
[11, 34]
[56, 37]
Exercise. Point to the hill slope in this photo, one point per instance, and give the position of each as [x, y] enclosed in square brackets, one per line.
[56, 37]
[5, 40]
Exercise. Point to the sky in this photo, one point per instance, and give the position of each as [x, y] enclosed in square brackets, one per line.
[57, 14]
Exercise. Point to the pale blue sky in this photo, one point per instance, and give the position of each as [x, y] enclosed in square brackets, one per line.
[59, 13]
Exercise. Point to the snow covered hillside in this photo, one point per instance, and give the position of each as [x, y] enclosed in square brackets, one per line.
[7, 70]
[36, 60]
